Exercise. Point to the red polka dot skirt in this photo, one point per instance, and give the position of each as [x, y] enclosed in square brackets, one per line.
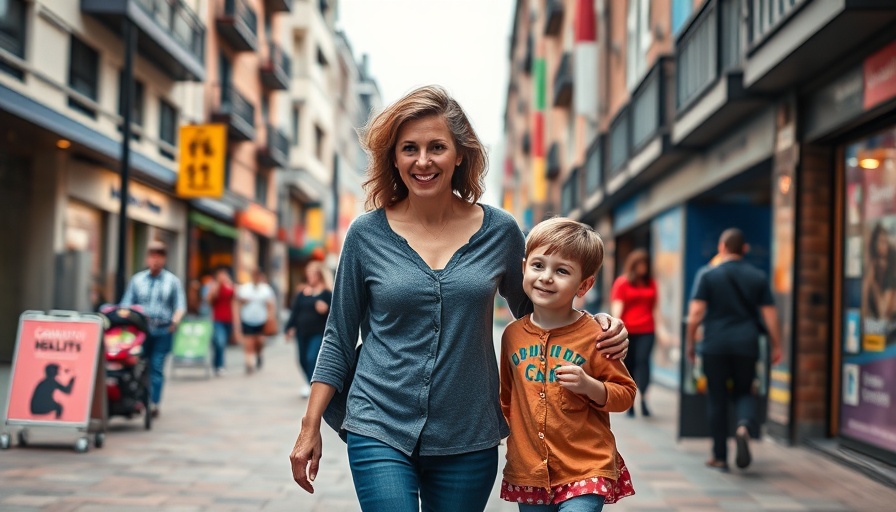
[611, 490]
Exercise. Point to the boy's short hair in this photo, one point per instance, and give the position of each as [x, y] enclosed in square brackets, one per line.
[571, 240]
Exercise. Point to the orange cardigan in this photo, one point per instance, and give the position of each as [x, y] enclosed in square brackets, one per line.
[557, 436]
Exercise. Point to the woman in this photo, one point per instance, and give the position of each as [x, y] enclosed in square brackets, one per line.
[255, 303]
[418, 275]
[220, 299]
[880, 279]
[634, 300]
[309, 317]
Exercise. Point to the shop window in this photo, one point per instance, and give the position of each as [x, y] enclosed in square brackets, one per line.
[167, 129]
[83, 76]
[136, 106]
[868, 341]
[12, 33]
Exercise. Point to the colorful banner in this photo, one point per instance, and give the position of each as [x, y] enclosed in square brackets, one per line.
[54, 371]
[585, 90]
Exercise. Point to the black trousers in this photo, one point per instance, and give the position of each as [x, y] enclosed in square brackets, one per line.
[740, 371]
[638, 360]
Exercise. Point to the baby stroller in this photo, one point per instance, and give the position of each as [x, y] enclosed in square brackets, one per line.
[127, 371]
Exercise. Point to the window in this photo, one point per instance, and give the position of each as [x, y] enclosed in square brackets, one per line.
[681, 11]
[83, 75]
[12, 33]
[319, 142]
[296, 117]
[136, 105]
[261, 188]
[167, 128]
[639, 39]
[321, 59]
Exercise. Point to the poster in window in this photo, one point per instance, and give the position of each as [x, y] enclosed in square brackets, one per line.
[853, 258]
[851, 334]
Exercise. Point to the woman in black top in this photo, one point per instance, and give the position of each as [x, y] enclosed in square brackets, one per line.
[309, 317]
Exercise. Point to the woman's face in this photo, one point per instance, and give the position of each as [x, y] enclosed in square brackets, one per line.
[312, 275]
[425, 155]
[882, 245]
[641, 268]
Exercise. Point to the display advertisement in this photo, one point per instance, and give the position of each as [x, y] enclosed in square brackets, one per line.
[869, 317]
[53, 374]
[668, 265]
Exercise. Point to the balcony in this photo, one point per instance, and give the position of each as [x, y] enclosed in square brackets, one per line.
[792, 41]
[618, 144]
[238, 25]
[237, 113]
[553, 17]
[171, 36]
[278, 5]
[710, 97]
[570, 199]
[553, 166]
[275, 69]
[275, 152]
[563, 83]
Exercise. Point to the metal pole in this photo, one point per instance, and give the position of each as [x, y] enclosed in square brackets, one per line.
[127, 96]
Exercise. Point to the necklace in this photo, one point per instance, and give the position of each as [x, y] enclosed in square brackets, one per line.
[435, 236]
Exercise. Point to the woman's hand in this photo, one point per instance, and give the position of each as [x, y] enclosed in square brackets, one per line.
[321, 307]
[612, 342]
[305, 456]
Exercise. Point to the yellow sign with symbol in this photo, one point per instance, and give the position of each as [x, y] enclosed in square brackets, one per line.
[203, 149]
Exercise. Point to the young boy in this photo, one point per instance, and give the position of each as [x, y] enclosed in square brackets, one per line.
[556, 391]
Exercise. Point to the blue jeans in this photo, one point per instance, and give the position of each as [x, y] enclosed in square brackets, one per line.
[156, 350]
[586, 503]
[221, 335]
[387, 480]
[308, 347]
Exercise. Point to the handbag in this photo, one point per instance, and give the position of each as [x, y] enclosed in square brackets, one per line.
[270, 325]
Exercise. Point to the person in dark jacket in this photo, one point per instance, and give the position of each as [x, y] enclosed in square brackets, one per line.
[308, 318]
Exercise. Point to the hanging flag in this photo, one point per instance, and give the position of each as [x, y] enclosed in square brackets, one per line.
[585, 71]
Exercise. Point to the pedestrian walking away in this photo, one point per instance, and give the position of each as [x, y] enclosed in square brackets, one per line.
[557, 397]
[417, 276]
[308, 318]
[634, 300]
[221, 300]
[256, 303]
[733, 301]
[164, 303]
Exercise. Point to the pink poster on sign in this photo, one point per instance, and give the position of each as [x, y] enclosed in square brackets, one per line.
[53, 375]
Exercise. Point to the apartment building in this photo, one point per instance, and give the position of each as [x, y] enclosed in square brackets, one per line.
[61, 68]
[773, 116]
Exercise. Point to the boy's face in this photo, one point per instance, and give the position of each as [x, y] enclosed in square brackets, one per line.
[552, 281]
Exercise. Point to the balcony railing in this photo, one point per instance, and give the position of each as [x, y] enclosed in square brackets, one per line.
[275, 153]
[619, 146]
[563, 83]
[569, 195]
[237, 113]
[552, 169]
[275, 70]
[594, 167]
[765, 16]
[171, 34]
[238, 25]
[648, 106]
[553, 17]
[710, 46]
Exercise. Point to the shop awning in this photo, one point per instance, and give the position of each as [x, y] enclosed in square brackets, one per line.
[215, 226]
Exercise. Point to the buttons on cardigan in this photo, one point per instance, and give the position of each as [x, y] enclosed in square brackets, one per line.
[541, 395]
[541, 435]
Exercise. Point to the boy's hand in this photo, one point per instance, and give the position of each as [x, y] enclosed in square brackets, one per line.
[574, 378]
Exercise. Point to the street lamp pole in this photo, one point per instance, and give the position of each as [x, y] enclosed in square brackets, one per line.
[127, 98]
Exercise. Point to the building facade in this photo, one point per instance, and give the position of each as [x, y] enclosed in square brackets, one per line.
[775, 117]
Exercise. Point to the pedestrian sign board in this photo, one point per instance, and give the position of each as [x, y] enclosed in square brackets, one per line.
[203, 149]
[57, 379]
[192, 339]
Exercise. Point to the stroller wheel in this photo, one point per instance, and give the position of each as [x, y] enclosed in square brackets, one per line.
[4, 441]
[99, 439]
[81, 445]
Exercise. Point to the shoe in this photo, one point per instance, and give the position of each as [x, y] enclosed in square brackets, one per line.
[305, 392]
[721, 465]
[219, 372]
[742, 439]
[630, 412]
[644, 410]
[154, 411]
[258, 362]
[249, 370]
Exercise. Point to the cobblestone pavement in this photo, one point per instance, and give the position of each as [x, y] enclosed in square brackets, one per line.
[221, 444]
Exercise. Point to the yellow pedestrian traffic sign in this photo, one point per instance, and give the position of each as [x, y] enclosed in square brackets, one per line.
[203, 149]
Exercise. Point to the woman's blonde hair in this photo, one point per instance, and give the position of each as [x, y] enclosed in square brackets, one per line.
[383, 184]
[322, 271]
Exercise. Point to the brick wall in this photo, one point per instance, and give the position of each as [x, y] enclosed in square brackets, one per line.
[815, 246]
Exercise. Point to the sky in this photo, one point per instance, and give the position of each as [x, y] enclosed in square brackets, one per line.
[461, 45]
